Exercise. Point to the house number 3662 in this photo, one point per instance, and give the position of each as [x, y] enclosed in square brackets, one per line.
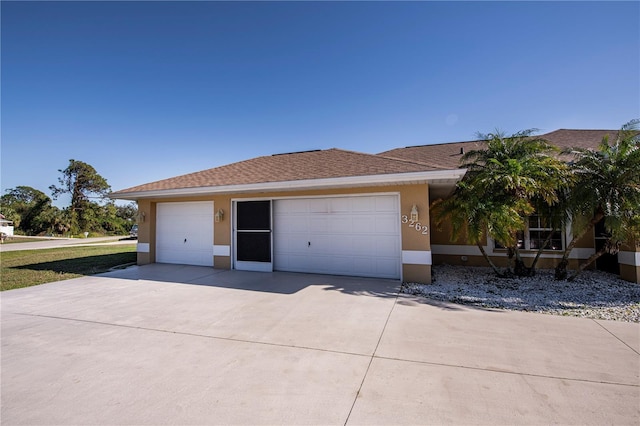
[424, 230]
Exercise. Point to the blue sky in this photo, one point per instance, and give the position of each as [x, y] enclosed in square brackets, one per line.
[148, 90]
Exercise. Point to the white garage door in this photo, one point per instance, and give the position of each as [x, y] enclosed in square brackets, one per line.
[357, 236]
[184, 233]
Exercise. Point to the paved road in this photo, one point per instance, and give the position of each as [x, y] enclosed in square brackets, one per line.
[62, 242]
[164, 344]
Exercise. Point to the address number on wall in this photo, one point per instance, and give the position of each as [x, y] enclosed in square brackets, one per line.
[423, 229]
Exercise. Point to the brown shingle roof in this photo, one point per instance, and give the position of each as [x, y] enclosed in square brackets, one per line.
[337, 163]
[447, 155]
[321, 164]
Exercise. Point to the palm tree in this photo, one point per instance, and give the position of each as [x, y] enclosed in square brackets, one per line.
[521, 174]
[609, 189]
[474, 216]
[504, 183]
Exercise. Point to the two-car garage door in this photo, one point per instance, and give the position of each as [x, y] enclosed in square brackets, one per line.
[357, 235]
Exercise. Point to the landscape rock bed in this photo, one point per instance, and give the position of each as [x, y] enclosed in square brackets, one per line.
[594, 294]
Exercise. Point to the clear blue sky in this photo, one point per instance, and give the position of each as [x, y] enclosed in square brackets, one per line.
[148, 90]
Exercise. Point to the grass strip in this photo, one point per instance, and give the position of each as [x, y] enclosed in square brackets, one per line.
[18, 240]
[32, 267]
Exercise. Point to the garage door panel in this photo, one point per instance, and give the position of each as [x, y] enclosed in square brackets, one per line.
[341, 264]
[325, 244]
[186, 257]
[287, 207]
[364, 225]
[317, 224]
[299, 263]
[341, 225]
[281, 244]
[387, 267]
[318, 205]
[386, 224]
[364, 243]
[294, 223]
[387, 246]
[357, 235]
[340, 205]
[299, 245]
[363, 204]
[386, 204]
[364, 265]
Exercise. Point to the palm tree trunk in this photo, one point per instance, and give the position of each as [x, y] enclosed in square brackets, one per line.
[486, 257]
[520, 269]
[540, 250]
[588, 262]
[561, 269]
[609, 247]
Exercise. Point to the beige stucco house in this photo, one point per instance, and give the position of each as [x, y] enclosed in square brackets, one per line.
[330, 212]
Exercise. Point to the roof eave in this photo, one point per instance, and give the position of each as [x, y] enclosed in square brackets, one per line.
[295, 185]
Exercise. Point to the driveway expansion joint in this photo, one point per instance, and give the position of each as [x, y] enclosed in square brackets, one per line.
[515, 373]
[184, 333]
[619, 339]
[364, 377]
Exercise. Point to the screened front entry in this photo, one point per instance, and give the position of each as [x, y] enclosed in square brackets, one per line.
[253, 236]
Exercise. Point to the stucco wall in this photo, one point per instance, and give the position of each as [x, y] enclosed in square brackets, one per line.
[629, 258]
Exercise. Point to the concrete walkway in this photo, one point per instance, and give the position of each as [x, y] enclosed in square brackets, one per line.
[165, 344]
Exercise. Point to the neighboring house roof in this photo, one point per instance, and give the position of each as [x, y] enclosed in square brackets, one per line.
[448, 155]
[319, 165]
[444, 155]
[566, 138]
[437, 163]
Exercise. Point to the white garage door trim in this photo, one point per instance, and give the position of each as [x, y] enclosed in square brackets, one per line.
[357, 235]
[184, 233]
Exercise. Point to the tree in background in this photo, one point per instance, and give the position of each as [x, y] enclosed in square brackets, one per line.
[128, 214]
[115, 219]
[609, 189]
[83, 183]
[29, 208]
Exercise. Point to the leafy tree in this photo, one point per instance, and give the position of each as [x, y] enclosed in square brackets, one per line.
[60, 222]
[128, 213]
[509, 179]
[10, 214]
[609, 189]
[83, 183]
[32, 208]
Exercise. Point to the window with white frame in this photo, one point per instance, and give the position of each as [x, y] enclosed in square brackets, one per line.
[536, 234]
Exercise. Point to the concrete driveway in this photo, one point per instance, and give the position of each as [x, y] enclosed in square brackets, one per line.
[165, 344]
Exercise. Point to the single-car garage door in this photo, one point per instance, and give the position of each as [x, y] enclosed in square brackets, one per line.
[184, 233]
[356, 235]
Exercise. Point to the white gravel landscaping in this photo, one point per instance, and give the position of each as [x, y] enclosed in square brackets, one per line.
[594, 294]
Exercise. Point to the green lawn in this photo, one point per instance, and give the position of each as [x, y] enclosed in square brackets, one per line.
[32, 267]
